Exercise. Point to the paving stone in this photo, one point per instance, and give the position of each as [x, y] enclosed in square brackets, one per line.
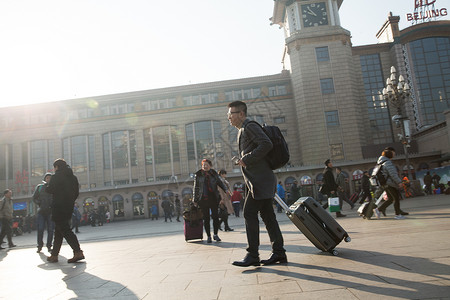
[386, 259]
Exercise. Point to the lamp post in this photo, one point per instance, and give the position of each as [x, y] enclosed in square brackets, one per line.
[397, 93]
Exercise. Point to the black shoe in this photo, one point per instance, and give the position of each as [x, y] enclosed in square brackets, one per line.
[12, 246]
[220, 228]
[209, 240]
[49, 249]
[39, 249]
[229, 229]
[247, 261]
[383, 212]
[275, 258]
[404, 213]
[340, 215]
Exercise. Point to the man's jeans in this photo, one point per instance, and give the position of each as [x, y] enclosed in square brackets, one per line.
[45, 223]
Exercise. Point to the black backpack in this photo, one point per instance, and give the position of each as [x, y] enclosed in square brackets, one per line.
[279, 155]
[377, 178]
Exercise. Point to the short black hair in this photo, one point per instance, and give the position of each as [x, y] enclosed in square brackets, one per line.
[327, 162]
[6, 192]
[241, 106]
[60, 162]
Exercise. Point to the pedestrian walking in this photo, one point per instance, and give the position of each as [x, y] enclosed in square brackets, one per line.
[167, 208]
[340, 181]
[44, 214]
[261, 184]
[282, 193]
[76, 218]
[294, 193]
[392, 186]
[6, 216]
[365, 185]
[329, 187]
[64, 187]
[236, 199]
[225, 202]
[428, 181]
[206, 196]
[178, 207]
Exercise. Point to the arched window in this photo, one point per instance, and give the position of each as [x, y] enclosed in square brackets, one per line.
[305, 180]
[138, 204]
[167, 194]
[186, 195]
[88, 204]
[118, 206]
[319, 178]
[152, 202]
[288, 182]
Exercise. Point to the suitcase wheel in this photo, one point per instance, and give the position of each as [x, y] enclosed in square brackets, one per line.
[347, 239]
[334, 252]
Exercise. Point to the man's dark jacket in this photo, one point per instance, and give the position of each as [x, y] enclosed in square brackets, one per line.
[214, 181]
[254, 145]
[329, 184]
[365, 183]
[65, 189]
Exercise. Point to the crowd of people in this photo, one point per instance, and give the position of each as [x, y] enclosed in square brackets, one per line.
[58, 213]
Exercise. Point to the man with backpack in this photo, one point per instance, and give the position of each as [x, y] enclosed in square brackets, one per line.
[44, 214]
[391, 185]
[254, 146]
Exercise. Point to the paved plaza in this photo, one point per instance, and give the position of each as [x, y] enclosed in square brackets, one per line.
[144, 259]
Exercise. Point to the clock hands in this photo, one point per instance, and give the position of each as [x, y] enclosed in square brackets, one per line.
[311, 12]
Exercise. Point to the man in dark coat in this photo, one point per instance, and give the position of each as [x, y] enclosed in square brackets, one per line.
[260, 180]
[64, 187]
[365, 184]
[294, 193]
[428, 180]
[329, 186]
[44, 214]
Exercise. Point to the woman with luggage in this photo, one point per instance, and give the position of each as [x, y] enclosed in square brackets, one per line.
[392, 186]
[206, 195]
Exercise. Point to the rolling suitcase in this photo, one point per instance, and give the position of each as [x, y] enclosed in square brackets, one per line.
[193, 231]
[366, 209]
[315, 223]
[354, 197]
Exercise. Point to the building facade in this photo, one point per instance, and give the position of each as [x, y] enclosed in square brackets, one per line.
[132, 150]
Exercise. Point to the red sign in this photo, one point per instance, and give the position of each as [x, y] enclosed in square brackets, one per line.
[423, 12]
[420, 3]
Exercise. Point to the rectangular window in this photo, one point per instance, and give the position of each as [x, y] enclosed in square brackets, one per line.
[332, 118]
[279, 120]
[327, 86]
[322, 54]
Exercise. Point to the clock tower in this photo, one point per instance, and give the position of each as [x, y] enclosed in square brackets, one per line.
[325, 85]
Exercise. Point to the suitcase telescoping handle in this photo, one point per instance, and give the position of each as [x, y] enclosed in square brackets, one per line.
[282, 203]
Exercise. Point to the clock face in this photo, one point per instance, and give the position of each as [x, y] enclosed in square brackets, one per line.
[314, 14]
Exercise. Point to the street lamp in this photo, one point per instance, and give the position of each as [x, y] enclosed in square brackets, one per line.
[397, 93]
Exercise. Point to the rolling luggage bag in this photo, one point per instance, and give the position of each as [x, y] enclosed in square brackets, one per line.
[366, 209]
[354, 197]
[315, 223]
[193, 230]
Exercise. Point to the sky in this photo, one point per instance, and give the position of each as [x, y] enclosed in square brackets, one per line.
[54, 50]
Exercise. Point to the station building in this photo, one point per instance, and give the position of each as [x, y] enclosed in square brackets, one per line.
[132, 150]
